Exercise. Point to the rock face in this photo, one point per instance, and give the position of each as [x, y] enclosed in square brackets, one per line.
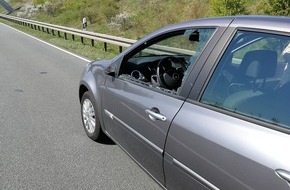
[28, 10]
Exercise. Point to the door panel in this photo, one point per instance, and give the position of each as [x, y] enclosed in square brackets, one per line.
[140, 103]
[227, 152]
[126, 120]
[237, 136]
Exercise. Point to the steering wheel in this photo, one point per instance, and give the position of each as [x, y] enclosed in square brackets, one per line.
[170, 72]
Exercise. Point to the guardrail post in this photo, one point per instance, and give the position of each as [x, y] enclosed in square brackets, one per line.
[44, 27]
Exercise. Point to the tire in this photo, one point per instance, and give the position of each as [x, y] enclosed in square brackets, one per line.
[90, 118]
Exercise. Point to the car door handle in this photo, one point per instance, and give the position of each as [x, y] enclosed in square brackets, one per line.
[155, 115]
[283, 174]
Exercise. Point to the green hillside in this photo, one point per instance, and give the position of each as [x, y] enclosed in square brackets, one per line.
[135, 18]
[128, 18]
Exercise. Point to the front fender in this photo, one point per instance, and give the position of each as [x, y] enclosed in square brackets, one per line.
[93, 80]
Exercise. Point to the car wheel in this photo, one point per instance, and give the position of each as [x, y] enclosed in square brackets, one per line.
[90, 119]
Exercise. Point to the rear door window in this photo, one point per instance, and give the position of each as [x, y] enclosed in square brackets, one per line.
[253, 78]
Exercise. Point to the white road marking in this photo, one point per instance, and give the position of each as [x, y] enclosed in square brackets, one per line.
[82, 58]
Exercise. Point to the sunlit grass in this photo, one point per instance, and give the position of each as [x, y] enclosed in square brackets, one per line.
[85, 50]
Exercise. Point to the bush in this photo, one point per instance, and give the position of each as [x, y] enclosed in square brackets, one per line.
[39, 2]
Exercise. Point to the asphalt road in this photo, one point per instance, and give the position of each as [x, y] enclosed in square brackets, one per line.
[42, 142]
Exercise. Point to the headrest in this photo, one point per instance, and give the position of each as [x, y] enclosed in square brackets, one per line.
[259, 64]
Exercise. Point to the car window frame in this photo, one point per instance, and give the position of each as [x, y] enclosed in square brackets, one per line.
[184, 88]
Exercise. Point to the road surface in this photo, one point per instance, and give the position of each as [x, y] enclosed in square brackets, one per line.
[42, 142]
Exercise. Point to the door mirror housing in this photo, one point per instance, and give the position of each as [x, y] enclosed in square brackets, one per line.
[111, 70]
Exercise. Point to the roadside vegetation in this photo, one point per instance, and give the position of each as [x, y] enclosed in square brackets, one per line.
[135, 18]
[85, 50]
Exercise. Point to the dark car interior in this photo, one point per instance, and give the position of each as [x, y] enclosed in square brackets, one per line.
[257, 83]
[158, 71]
[162, 66]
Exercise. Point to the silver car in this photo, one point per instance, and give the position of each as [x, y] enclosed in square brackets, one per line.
[203, 104]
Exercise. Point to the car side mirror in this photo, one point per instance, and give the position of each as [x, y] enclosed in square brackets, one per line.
[111, 70]
[194, 37]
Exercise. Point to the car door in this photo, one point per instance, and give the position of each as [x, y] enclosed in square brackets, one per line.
[235, 133]
[137, 108]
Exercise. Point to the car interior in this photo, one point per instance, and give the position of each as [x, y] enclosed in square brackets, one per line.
[257, 83]
[161, 71]
[163, 64]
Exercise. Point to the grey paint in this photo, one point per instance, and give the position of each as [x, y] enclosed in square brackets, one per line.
[203, 147]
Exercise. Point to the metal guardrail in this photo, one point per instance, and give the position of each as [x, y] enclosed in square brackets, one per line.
[53, 29]
[121, 42]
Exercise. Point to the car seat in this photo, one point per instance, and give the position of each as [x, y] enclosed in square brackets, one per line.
[255, 68]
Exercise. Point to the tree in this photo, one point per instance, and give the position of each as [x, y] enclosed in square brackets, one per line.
[39, 2]
[52, 8]
[228, 7]
[274, 7]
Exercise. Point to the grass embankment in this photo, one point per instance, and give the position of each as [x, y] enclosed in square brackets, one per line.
[124, 18]
[85, 50]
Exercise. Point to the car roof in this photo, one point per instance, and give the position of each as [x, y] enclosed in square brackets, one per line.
[281, 23]
[264, 22]
[256, 21]
[274, 23]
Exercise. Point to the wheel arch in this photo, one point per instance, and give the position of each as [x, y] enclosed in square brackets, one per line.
[89, 84]
[83, 89]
